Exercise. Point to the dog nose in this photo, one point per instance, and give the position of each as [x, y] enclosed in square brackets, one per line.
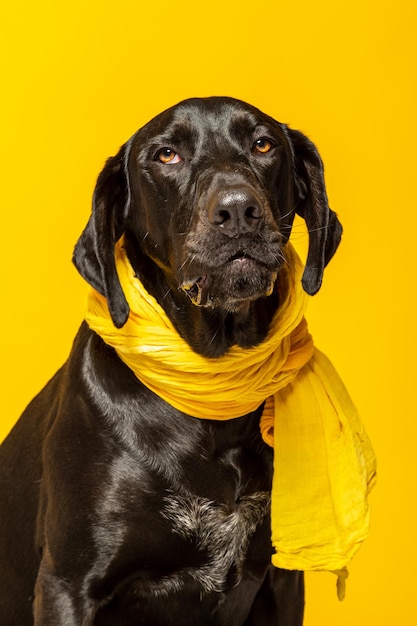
[236, 210]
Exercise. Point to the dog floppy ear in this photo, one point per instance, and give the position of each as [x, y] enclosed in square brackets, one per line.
[94, 252]
[323, 226]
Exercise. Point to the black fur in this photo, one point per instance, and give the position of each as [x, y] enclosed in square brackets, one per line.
[115, 507]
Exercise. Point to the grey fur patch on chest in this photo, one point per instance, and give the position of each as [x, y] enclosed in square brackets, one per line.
[222, 532]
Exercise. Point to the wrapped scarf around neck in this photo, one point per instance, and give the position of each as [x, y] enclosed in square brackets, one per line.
[324, 466]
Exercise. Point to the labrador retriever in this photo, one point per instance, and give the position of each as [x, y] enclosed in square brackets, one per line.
[117, 508]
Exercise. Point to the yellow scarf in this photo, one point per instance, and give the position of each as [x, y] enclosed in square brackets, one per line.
[324, 464]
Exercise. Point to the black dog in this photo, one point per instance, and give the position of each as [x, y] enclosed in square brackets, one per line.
[100, 477]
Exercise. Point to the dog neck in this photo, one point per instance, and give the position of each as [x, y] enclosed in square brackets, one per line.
[210, 332]
[236, 383]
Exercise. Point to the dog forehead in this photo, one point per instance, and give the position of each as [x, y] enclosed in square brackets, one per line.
[213, 116]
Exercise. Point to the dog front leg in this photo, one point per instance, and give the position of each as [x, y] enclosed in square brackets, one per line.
[56, 603]
[280, 600]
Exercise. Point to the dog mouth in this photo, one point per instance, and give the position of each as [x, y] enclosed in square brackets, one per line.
[240, 279]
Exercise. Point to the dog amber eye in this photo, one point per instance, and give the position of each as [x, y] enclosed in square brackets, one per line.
[168, 155]
[263, 145]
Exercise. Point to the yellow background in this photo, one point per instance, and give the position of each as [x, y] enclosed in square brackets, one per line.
[79, 78]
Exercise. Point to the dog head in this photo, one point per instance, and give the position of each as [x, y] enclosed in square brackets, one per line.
[206, 192]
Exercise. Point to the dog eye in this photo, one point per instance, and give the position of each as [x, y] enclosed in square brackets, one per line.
[263, 145]
[168, 155]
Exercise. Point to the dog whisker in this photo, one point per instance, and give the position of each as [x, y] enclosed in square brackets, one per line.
[166, 294]
[315, 230]
[282, 217]
[215, 334]
[188, 261]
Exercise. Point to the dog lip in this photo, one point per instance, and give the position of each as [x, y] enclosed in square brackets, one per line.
[240, 257]
[239, 254]
[198, 291]
[188, 285]
[241, 260]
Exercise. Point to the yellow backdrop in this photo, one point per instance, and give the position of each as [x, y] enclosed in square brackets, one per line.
[78, 79]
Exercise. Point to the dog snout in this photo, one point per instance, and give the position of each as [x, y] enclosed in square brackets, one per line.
[235, 210]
